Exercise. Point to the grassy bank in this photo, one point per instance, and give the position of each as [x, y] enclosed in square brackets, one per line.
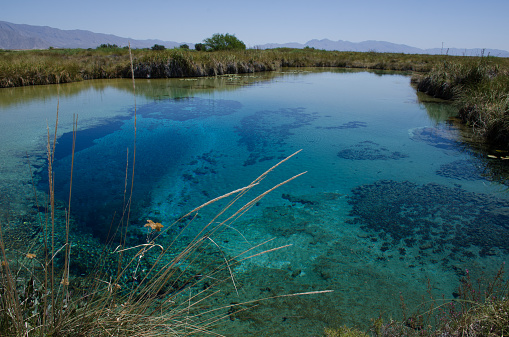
[480, 89]
[34, 67]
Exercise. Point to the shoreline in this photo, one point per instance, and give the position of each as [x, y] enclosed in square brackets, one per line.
[478, 86]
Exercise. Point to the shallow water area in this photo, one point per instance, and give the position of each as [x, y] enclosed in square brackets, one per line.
[393, 196]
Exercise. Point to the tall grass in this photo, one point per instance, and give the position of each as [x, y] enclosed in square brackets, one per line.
[480, 89]
[21, 68]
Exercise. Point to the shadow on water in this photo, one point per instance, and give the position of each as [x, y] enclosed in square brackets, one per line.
[485, 161]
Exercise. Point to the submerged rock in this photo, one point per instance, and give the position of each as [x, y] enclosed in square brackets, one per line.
[264, 133]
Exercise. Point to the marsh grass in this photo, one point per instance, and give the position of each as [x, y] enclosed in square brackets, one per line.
[21, 68]
[480, 89]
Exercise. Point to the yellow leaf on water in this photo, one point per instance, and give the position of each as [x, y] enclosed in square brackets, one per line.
[154, 225]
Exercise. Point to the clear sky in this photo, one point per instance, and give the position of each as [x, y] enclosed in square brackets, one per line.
[423, 24]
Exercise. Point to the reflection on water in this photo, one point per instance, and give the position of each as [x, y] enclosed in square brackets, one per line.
[155, 88]
[393, 196]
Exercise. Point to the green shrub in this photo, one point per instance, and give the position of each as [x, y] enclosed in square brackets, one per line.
[200, 47]
[158, 47]
[224, 42]
[108, 46]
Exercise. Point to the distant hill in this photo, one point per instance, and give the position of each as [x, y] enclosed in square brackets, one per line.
[17, 36]
[384, 47]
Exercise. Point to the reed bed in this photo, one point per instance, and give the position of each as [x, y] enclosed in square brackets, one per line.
[21, 68]
[480, 89]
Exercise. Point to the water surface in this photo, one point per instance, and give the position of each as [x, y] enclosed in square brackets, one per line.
[393, 195]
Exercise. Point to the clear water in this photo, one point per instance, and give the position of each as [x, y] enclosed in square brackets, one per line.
[394, 194]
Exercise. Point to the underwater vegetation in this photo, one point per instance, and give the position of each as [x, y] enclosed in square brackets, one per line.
[344, 126]
[462, 170]
[369, 150]
[438, 220]
[264, 133]
[440, 138]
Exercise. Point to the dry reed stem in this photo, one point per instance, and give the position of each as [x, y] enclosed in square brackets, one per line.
[199, 238]
[11, 289]
[164, 273]
[129, 202]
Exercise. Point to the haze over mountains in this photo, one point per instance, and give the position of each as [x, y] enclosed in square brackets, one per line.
[21, 36]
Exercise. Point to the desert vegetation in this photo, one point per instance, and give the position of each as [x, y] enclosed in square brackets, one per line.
[224, 42]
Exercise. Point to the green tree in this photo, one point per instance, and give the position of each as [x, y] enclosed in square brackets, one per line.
[200, 47]
[184, 46]
[108, 46]
[158, 47]
[224, 42]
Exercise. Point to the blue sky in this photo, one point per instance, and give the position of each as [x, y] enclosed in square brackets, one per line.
[423, 24]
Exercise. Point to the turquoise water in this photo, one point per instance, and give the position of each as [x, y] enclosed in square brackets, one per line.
[394, 194]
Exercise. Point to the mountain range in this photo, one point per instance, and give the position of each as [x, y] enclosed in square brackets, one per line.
[385, 47]
[21, 36]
